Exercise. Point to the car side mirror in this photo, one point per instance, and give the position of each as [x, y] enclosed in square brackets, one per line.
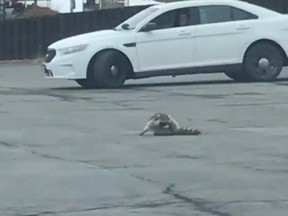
[149, 27]
[125, 26]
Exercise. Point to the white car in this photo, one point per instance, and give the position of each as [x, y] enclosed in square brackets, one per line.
[242, 40]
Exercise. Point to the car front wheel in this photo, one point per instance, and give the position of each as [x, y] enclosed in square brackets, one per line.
[108, 70]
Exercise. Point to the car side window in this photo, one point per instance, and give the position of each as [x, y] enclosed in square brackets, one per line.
[176, 18]
[222, 13]
[165, 20]
[238, 14]
[214, 14]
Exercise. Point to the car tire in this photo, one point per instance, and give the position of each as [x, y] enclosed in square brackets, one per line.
[237, 76]
[109, 70]
[263, 62]
[85, 83]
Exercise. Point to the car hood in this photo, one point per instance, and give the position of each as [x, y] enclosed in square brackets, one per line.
[86, 38]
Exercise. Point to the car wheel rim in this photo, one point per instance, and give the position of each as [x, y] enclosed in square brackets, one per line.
[114, 71]
[265, 67]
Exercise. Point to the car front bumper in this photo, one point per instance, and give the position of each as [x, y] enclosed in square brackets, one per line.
[47, 73]
[71, 66]
[60, 71]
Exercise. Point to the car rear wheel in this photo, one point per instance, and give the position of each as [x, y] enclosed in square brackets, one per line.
[263, 62]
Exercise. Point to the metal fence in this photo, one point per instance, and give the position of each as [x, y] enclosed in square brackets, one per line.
[276, 5]
[28, 38]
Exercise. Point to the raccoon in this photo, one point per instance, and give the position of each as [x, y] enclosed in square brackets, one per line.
[162, 124]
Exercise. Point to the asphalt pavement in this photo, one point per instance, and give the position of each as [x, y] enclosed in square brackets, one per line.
[72, 152]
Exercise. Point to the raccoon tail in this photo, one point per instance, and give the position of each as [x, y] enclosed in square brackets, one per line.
[187, 131]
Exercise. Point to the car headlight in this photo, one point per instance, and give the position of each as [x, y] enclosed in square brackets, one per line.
[73, 49]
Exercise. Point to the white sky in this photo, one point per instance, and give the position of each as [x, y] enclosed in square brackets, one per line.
[63, 6]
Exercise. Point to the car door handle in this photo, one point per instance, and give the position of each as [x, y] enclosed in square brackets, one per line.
[243, 28]
[183, 33]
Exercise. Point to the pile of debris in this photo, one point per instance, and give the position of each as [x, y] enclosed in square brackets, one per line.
[16, 9]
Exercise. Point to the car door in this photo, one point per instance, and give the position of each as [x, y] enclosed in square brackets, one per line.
[168, 46]
[221, 35]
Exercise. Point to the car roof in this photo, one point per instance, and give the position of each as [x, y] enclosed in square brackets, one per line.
[196, 3]
[260, 11]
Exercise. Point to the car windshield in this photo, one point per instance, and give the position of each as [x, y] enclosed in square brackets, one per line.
[137, 18]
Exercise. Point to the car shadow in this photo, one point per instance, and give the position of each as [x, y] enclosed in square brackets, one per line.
[188, 83]
[154, 84]
[167, 84]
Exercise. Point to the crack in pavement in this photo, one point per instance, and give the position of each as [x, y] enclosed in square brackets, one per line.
[202, 96]
[217, 121]
[254, 104]
[7, 144]
[131, 206]
[84, 162]
[183, 156]
[124, 105]
[48, 156]
[87, 163]
[124, 166]
[144, 179]
[199, 204]
[248, 93]
[224, 204]
[264, 169]
[45, 92]
[65, 97]
[90, 163]
[70, 211]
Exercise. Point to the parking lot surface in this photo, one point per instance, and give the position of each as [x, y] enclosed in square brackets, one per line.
[72, 152]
